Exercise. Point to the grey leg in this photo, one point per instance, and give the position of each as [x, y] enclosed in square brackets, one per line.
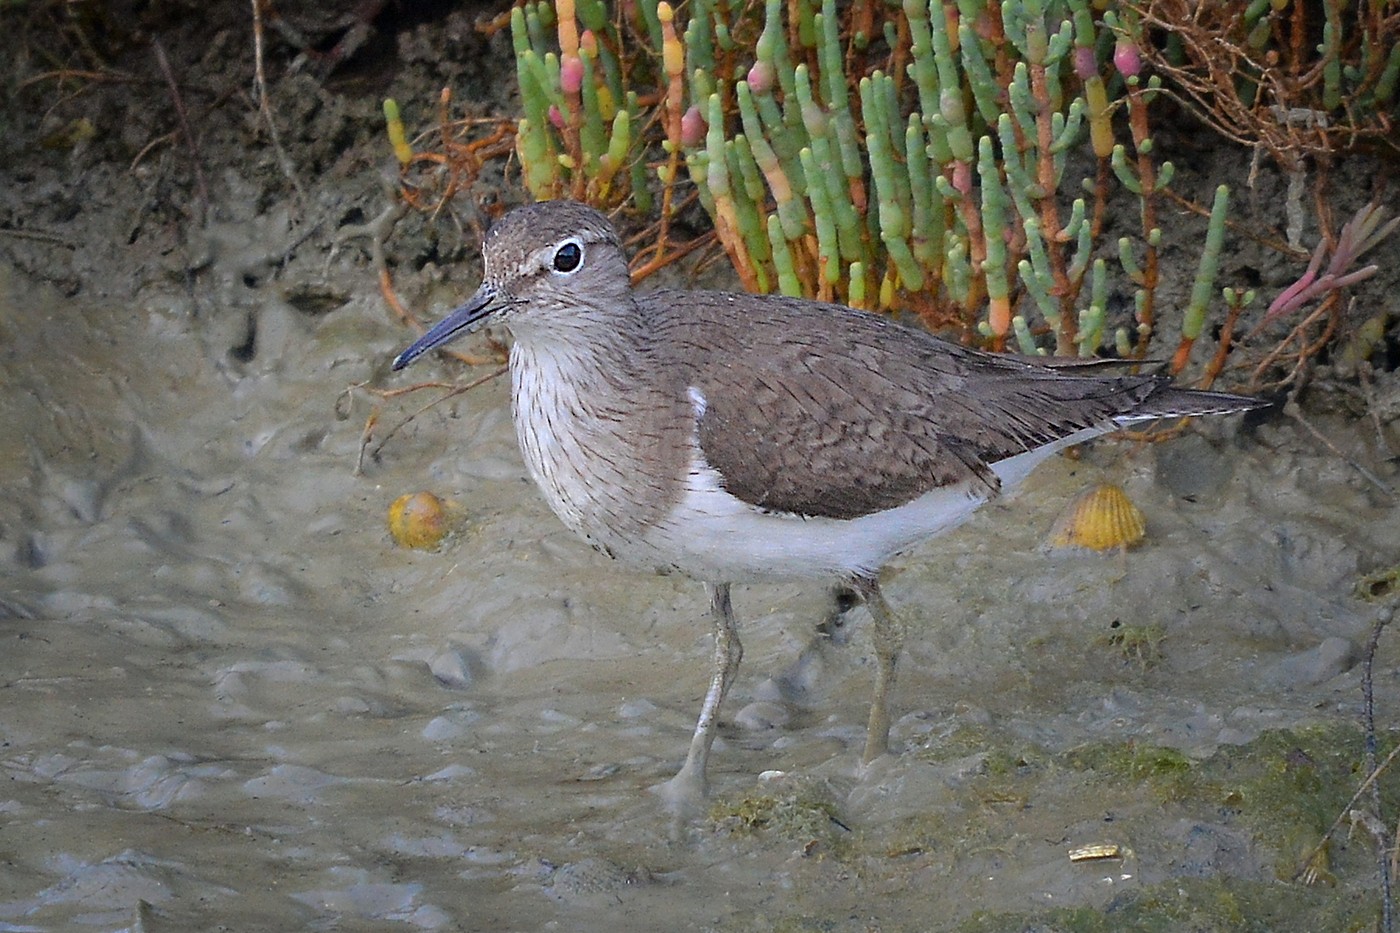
[688, 786]
[888, 637]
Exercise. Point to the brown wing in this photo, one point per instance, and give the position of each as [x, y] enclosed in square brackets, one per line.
[824, 411]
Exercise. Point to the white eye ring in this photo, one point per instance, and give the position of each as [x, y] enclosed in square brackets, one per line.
[568, 256]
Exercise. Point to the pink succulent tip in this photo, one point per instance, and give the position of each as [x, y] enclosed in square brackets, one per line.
[692, 127]
[761, 77]
[1126, 58]
[571, 74]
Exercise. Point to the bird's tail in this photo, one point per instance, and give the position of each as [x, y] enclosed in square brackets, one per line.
[1171, 402]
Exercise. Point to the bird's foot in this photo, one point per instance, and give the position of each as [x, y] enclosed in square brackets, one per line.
[684, 794]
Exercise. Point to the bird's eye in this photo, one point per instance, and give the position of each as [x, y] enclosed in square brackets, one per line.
[568, 257]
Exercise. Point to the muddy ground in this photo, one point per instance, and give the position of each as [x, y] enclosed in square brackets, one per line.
[228, 701]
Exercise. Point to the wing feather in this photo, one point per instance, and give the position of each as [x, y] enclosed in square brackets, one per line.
[819, 410]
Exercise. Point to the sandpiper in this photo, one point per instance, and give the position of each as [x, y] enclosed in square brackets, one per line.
[737, 437]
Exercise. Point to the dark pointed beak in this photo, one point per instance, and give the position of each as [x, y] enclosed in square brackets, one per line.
[460, 322]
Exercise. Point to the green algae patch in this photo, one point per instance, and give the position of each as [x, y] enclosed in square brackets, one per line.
[1289, 786]
[1286, 786]
[800, 811]
[1167, 771]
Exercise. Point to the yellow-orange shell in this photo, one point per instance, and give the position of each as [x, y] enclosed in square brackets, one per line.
[419, 520]
[1100, 518]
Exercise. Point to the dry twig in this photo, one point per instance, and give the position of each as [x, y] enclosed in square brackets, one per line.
[260, 84]
[368, 434]
[182, 115]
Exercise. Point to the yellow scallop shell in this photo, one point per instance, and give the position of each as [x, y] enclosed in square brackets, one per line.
[1100, 518]
[419, 520]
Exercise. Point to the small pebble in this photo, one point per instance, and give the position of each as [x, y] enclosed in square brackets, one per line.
[452, 667]
[762, 716]
[449, 726]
